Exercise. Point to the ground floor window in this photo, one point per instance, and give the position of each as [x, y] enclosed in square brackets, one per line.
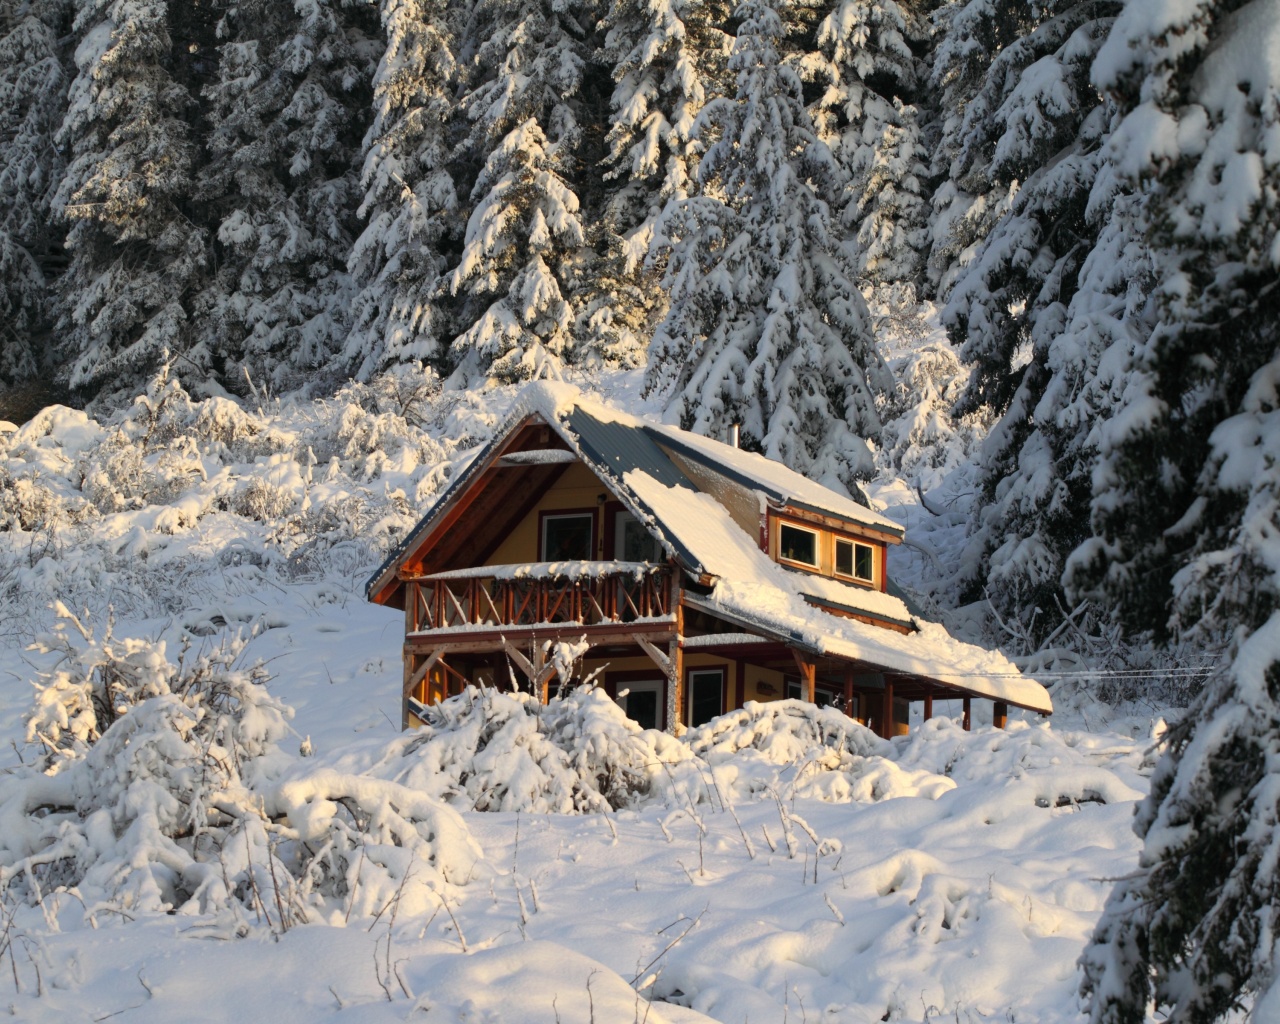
[822, 697]
[641, 699]
[706, 694]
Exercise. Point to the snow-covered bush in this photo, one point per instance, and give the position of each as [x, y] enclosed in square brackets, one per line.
[492, 751]
[148, 770]
[163, 787]
[145, 505]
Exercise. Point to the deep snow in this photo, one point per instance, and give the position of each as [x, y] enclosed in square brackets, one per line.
[942, 876]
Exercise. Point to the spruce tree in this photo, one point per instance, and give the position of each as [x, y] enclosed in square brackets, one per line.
[289, 107]
[1011, 81]
[1187, 505]
[869, 83]
[520, 237]
[767, 328]
[1044, 295]
[136, 254]
[668, 57]
[33, 85]
[409, 197]
[524, 67]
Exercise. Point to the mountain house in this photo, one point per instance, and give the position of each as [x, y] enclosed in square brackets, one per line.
[683, 575]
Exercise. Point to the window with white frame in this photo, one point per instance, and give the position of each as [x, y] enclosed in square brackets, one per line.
[568, 537]
[797, 544]
[857, 561]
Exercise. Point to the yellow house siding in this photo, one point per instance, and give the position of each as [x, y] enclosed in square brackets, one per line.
[577, 488]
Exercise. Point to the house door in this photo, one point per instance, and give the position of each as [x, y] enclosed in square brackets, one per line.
[706, 694]
[643, 702]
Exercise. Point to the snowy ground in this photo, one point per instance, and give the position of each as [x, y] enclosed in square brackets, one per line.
[950, 876]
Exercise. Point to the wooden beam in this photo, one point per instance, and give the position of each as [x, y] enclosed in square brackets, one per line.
[1000, 714]
[849, 709]
[808, 674]
[928, 706]
[537, 670]
[413, 675]
[675, 680]
[656, 655]
[449, 669]
[967, 720]
[886, 709]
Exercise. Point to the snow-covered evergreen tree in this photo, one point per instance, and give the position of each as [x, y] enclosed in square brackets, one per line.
[1187, 504]
[1054, 285]
[524, 239]
[520, 237]
[1040, 136]
[984, 48]
[32, 102]
[767, 328]
[868, 110]
[668, 57]
[136, 254]
[409, 197]
[290, 103]
[1211, 212]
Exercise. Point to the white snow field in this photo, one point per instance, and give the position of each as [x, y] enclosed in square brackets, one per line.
[777, 865]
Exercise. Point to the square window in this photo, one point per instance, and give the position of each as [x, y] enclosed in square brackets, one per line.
[567, 538]
[855, 560]
[796, 544]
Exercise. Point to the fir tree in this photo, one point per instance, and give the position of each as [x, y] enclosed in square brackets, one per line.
[525, 67]
[1043, 297]
[32, 102]
[136, 254]
[1187, 505]
[984, 48]
[667, 58]
[409, 193]
[766, 326]
[869, 80]
[519, 238]
[289, 104]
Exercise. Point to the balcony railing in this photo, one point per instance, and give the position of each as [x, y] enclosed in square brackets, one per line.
[582, 593]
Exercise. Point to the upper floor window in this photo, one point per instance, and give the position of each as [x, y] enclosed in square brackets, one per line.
[568, 537]
[796, 544]
[632, 542]
[855, 560]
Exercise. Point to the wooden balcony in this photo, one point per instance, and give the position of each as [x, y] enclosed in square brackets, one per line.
[570, 593]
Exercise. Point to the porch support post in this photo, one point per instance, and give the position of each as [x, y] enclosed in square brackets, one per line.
[848, 692]
[968, 714]
[675, 658]
[1000, 714]
[886, 710]
[928, 706]
[808, 675]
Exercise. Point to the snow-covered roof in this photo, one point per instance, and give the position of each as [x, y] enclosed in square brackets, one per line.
[747, 586]
[753, 590]
[781, 484]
